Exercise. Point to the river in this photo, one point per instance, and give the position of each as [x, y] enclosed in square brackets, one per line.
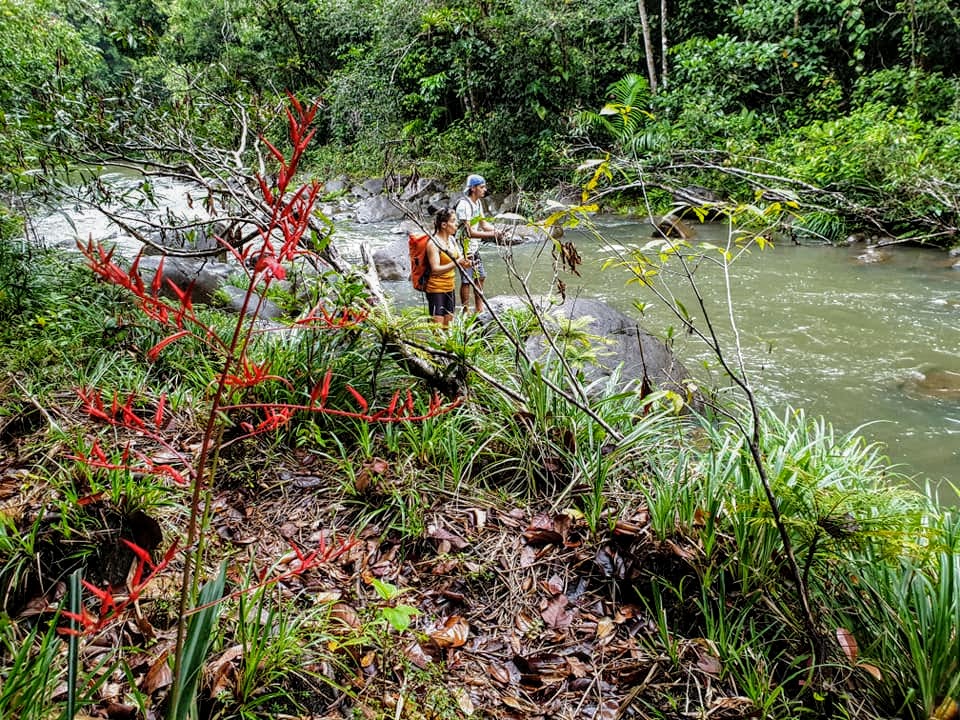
[819, 330]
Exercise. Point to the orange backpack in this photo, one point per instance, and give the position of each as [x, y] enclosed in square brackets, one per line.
[419, 264]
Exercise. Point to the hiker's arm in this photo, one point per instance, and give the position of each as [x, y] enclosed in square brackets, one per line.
[483, 230]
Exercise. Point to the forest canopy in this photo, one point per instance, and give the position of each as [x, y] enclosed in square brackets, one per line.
[849, 97]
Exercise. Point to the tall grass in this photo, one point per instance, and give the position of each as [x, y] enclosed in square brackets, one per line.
[905, 613]
[31, 668]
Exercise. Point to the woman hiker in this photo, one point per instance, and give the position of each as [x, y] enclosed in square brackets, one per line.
[443, 255]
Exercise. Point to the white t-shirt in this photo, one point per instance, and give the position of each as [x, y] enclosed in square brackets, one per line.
[467, 212]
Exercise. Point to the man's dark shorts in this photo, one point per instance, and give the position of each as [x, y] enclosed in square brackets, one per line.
[441, 304]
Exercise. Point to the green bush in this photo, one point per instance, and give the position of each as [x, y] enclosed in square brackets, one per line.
[930, 95]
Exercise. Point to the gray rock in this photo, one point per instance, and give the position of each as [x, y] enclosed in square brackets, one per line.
[422, 188]
[671, 226]
[872, 255]
[936, 384]
[392, 261]
[206, 276]
[373, 186]
[268, 310]
[336, 185]
[624, 345]
[377, 209]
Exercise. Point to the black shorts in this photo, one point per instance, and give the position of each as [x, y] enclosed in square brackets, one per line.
[441, 303]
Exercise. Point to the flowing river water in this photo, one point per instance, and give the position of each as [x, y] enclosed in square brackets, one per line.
[820, 330]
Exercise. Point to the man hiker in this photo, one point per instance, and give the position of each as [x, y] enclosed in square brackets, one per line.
[470, 214]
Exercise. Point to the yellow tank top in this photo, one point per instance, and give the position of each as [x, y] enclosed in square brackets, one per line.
[443, 281]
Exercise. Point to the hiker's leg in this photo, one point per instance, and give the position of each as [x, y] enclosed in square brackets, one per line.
[478, 294]
[479, 275]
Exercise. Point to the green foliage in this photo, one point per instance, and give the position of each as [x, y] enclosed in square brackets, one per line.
[200, 635]
[45, 66]
[931, 95]
[32, 664]
[281, 644]
[725, 73]
[624, 117]
[18, 285]
[823, 227]
[18, 550]
[876, 155]
[51, 309]
[396, 615]
[905, 613]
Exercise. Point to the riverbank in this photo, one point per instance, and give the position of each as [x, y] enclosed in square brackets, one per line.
[810, 316]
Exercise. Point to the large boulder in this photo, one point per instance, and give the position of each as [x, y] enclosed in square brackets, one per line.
[936, 384]
[205, 275]
[622, 344]
[392, 261]
[377, 208]
[671, 226]
[209, 280]
[422, 189]
[266, 308]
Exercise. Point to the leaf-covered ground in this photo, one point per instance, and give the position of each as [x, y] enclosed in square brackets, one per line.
[520, 612]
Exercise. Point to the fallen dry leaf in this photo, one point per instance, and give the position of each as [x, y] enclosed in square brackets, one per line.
[464, 702]
[605, 628]
[544, 668]
[524, 622]
[542, 531]
[556, 612]
[119, 711]
[499, 673]
[417, 655]
[708, 663]
[680, 552]
[848, 644]
[479, 518]
[528, 556]
[743, 706]
[947, 710]
[451, 540]
[453, 634]
[375, 467]
[577, 667]
[223, 671]
[159, 675]
[512, 701]
[345, 615]
[327, 596]
[554, 585]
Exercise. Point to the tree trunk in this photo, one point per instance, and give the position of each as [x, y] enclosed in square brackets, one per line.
[648, 46]
[663, 42]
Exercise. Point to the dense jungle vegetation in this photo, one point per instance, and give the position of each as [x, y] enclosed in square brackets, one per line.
[351, 514]
[850, 106]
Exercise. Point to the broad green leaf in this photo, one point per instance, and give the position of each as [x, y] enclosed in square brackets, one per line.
[400, 616]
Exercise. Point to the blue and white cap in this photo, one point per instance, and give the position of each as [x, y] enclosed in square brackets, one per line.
[473, 181]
